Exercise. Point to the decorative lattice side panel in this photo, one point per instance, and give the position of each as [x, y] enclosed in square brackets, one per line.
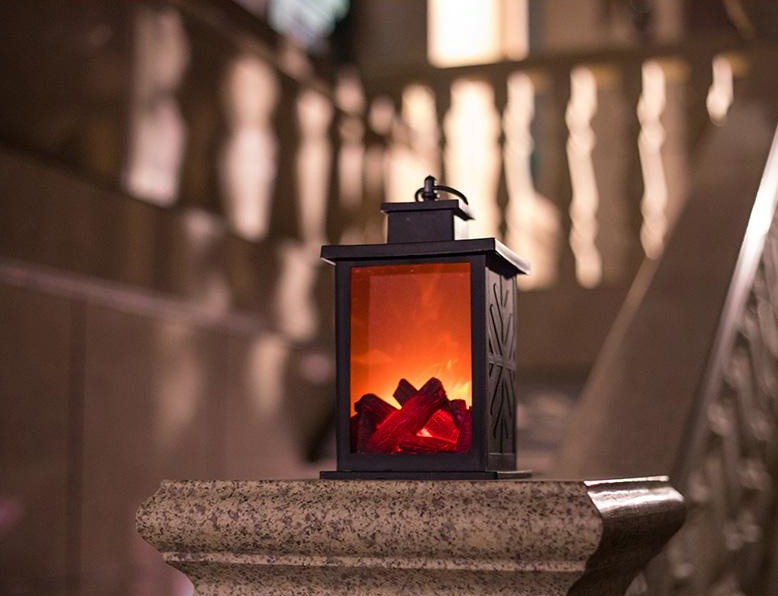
[501, 361]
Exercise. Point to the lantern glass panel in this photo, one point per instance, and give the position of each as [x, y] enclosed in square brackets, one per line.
[411, 358]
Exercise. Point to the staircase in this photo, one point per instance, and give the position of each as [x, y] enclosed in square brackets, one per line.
[686, 383]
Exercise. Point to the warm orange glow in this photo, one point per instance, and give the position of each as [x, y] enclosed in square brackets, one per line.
[411, 322]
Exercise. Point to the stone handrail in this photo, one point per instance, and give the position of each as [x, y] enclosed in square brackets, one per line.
[727, 464]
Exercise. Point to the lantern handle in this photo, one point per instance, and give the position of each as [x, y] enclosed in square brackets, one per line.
[428, 192]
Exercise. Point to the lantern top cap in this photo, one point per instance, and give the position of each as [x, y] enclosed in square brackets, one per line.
[427, 218]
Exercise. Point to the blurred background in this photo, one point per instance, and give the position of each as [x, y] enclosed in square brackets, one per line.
[169, 170]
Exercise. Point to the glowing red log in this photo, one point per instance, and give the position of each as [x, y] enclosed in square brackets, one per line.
[427, 422]
[408, 420]
[434, 389]
[441, 426]
[419, 444]
[404, 391]
[370, 405]
[371, 410]
[463, 419]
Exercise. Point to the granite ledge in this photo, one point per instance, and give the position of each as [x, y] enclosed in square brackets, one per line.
[458, 537]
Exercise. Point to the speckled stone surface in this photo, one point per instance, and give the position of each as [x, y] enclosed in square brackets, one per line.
[411, 537]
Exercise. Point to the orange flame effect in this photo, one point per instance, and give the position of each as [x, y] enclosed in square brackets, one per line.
[412, 322]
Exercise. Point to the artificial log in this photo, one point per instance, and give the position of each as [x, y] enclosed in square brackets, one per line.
[463, 419]
[370, 405]
[404, 391]
[427, 422]
[408, 420]
[371, 410]
[433, 388]
[419, 444]
[441, 426]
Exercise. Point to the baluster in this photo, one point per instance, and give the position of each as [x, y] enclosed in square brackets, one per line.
[663, 150]
[314, 156]
[155, 158]
[471, 156]
[585, 197]
[650, 141]
[157, 129]
[532, 220]
[721, 92]
[247, 163]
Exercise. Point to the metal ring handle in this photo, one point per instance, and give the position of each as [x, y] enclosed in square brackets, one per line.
[428, 192]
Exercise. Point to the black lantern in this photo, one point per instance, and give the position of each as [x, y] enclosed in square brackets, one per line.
[426, 343]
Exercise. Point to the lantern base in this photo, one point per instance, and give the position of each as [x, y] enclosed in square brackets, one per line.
[453, 475]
